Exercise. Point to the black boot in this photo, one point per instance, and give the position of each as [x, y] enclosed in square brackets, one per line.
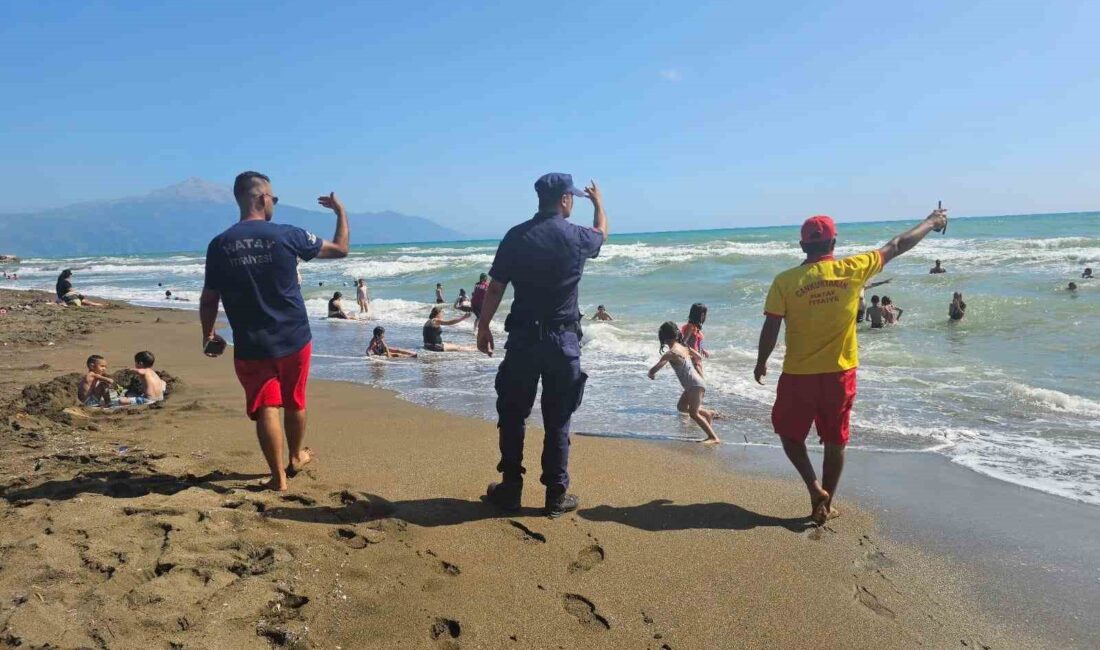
[558, 502]
[506, 495]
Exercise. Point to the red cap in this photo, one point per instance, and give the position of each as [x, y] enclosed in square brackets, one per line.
[818, 228]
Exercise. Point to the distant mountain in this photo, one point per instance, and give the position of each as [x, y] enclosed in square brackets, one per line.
[180, 218]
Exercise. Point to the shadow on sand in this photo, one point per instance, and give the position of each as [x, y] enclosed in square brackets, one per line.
[442, 511]
[122, 485]
[662, 514]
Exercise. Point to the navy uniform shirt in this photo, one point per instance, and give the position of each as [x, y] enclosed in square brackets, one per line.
[254, 266]
[544, 259]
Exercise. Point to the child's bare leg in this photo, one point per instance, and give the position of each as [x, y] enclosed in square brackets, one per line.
[682, 405]
[695, 409]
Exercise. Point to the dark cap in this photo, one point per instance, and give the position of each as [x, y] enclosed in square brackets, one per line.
[552, 186]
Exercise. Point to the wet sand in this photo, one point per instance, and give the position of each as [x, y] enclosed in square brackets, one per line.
[143, 529]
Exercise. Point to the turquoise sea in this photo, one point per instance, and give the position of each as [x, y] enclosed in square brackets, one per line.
[1013, 391]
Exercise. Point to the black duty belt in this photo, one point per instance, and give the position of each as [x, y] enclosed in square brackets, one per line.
[512, 324]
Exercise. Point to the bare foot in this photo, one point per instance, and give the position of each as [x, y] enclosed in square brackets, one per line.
[273, 484]
[819, 507]
[304, 458]
[710, 441]
[833, 513]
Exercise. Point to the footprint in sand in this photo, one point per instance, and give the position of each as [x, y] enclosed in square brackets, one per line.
[871, 602]
[584, 611]
[528, 534]
[445, 628]
[358, 540]
[588, 558]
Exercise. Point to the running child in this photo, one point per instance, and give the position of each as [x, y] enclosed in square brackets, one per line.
[378, 348]
[692, 334]
[682, 358]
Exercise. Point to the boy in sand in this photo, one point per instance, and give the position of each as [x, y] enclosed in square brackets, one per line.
[94, 388]
[151, 384]
[818, 300]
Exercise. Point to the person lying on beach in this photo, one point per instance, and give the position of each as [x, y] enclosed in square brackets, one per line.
[433, 333]
[378, 348]
[937, 268]
[152, 386]
[817, 300]
[94, 388]
[336, 307]
[68, 295]
[674, 352]
[462, 303]
[957, 309]
[891, 313]
[601, 314]
[1087, 274]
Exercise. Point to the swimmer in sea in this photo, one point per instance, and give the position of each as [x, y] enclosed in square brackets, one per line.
[891, 313]
[1087, 274]
[681, 357]
[937, 268]
[378, 348]
[1072, 286]
[957, 309]
[601, 314]
[336, 307]
[861, 311]
[875, 314]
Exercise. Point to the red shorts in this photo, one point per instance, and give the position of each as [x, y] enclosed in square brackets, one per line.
[824, 400]
[275, 382]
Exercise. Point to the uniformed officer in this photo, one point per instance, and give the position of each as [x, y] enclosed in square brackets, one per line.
[544, 259]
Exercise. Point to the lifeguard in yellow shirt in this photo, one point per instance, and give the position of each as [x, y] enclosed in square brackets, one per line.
[819, 300]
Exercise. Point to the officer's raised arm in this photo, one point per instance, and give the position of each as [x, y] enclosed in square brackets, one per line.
[599, 218]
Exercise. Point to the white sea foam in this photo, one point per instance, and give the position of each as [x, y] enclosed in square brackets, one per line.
[1054, 400]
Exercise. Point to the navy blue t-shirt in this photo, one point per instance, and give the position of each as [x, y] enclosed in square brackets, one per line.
[544, 258]
[254, 266]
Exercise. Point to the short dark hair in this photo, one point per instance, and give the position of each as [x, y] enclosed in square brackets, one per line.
[886, 300]
[818, 247]
[145, 358]
[337, 295]
[483, 277]
[242, 186]
[92, 360]
[379, 331]
[435, 312]
[67, 273]
[874, 300]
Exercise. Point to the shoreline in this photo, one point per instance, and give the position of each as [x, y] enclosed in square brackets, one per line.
[578, 586]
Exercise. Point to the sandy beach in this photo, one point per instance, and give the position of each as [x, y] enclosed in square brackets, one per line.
[143, 528]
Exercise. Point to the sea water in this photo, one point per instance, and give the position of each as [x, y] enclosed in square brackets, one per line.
[1012, 391]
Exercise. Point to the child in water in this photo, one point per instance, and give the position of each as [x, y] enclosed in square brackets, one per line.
[378, 348]
[682, 358]
[692, 334]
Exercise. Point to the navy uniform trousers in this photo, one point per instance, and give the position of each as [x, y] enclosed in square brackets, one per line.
[553, 357]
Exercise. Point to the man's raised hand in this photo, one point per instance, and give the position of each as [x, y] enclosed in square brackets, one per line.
[938, 219]
[592, 191]
[331, 202]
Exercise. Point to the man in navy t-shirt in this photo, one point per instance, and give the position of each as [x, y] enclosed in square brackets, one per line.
[252, 269]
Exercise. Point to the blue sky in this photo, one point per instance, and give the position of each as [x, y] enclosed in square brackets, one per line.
[690, 115]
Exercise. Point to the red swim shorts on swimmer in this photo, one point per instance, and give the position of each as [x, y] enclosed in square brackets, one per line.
[824, 400]
[275, 382]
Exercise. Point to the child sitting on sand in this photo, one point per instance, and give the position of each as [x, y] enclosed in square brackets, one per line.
[152, 386]
[682, 359]
[94, 388]
[378, 348]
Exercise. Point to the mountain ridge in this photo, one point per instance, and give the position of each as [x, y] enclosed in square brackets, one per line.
[183, 216]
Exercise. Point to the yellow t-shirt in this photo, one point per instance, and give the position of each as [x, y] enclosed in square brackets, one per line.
[819, 303]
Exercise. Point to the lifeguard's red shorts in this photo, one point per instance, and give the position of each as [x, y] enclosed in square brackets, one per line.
[275, 382]
[824, 400]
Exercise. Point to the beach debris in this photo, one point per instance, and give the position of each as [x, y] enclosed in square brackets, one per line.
[445, 628]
